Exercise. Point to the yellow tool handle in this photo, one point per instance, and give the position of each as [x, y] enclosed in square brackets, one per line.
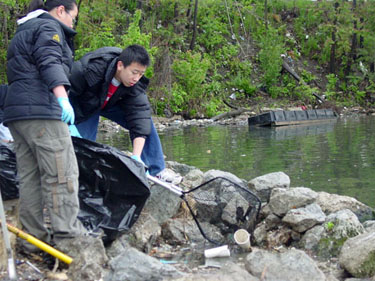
[40, 244]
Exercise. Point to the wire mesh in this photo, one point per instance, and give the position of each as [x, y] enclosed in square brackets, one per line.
[220, 207]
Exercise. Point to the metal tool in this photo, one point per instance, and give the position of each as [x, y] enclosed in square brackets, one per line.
[11, 266]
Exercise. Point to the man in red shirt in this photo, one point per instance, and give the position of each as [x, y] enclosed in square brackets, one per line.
[110, 82]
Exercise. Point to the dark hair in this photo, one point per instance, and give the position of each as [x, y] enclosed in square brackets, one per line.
[134, 53]
[48, 5]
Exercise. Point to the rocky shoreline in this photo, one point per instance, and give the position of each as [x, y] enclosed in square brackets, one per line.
[300, 235]
[178, 122]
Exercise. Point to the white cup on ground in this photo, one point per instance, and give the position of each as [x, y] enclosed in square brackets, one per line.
[222, 251]
[242, 238]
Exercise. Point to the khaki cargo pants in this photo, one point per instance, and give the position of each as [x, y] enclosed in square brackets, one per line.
[48, 171]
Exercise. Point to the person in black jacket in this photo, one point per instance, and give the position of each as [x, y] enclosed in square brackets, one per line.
[37, 112]
[110, 82]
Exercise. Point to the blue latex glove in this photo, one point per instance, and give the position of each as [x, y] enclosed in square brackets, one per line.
[138, 159]
[74, 131]
[67, 110]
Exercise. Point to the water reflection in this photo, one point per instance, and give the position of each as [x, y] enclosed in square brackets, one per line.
[336, 156]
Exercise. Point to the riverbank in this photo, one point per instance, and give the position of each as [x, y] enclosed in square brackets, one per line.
[299, 234]
[177, 121]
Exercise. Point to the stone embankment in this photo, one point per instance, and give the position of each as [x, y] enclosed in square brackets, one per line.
[300, 235]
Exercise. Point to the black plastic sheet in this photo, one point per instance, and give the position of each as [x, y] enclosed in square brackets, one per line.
[113, 188]
[8, 172]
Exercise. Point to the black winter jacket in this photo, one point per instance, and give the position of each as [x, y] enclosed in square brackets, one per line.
[90, 79]
[39, 58]
[3, 92]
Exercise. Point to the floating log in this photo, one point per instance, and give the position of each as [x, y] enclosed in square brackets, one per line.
[284, 118]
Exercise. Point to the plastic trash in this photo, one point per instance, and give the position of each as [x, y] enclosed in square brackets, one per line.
[9, 180]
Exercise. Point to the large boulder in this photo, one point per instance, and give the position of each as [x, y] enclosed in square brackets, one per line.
[133, 265]
[338, 227]
[282, 200]
[331, 203]
[291, 265]
[89, 257]
[263, 185]
[304, 218]
[357, 255]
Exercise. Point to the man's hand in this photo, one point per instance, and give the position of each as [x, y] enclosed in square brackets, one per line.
[138, 159]
[67, 110]
[74, 131]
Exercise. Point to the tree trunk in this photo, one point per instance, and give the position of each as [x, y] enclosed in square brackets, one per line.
[175, 17]
[332, 59]
[353, 50]
[192, 43]
[5, 26]
[189, 10]
[266, 14]
[333, 53]
[77, 18]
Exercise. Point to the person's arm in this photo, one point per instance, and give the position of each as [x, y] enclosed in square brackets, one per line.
[48, 55]
[138, 144]
[60, 92]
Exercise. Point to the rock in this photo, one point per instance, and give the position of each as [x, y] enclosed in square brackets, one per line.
[357, 255]
[162, 204]
[311, 238]
[193, 178]
[180, 231]
[143, 234]
[369, 226]
[263, 185]
[89, 257]
[331, 203]
[211, 174]
[291, 265]
[182, 169]
[338, 228]
[302, 219]
[280, 237]
[282, 200]
[345, 224]
[260, 234]
[230, 271]
[272, 221]
[133, 265]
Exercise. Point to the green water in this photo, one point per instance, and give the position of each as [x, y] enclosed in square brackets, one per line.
[335, 156]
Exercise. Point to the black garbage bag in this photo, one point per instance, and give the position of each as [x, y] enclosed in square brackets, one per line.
[113, 188]
[8, 172]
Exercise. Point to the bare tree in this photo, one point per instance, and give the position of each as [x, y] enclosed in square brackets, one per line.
[332, 60]
[266, 14]
[353, 50]
[192, 43]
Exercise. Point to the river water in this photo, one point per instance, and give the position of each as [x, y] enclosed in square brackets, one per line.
[333, 156]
